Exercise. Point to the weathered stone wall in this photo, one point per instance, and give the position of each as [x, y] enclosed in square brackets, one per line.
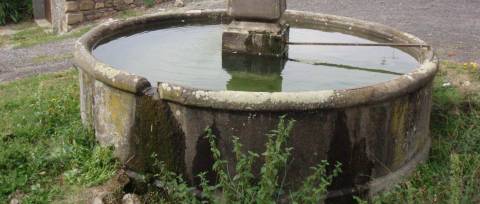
[76, 12]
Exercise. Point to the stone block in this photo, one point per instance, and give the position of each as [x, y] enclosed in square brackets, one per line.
[264, 10]
[179, 3]
[256, 38]
[71, 6]
[114, 112]
[128, 1]
[86, 97]
[99, 5]
[120, 4]
[87, 5]
[139, 2]
[73, 18]
[108, 3]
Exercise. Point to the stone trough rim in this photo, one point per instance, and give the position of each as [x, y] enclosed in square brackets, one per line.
[257, 101]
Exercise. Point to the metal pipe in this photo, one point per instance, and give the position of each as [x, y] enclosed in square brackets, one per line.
[360, 44]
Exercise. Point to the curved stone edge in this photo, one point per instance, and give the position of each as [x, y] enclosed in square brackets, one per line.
[260, 101]
[299, 101]
[107, 74]
[310, 100]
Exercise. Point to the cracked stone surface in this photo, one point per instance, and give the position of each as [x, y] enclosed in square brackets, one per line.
[452, 27]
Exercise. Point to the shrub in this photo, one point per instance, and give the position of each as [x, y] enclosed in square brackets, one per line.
[15, 10]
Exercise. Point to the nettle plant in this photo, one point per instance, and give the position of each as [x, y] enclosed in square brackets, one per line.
[243, 187]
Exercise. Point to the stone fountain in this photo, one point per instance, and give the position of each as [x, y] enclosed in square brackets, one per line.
[375, 123]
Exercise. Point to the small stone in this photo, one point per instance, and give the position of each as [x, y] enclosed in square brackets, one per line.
[86, 5]
[99, 5]
[466, 83]
[131, 199]
[128, 1]
[71, 6]
[98, 200]
[179, 3]
[14, 201]
[74, 18]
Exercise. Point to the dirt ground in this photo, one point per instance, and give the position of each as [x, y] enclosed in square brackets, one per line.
[452, 27]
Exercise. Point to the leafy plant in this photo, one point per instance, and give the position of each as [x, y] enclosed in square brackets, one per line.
[242, 187]
[15, 10]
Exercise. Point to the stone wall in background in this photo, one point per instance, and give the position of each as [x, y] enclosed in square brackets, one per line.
[79, 11]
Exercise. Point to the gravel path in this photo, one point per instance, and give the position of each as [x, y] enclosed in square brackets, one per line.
[452, 27]
[19, 63]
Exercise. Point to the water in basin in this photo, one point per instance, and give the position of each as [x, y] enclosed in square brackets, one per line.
[191, 56]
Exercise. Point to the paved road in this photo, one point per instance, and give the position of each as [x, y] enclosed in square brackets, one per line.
[451, 26]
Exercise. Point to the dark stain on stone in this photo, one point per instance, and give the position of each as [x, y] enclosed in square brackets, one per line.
[156, 131]
[340, 151]
[348, 147]
[203, 161]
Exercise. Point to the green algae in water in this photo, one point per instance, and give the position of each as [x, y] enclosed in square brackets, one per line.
[191, 56]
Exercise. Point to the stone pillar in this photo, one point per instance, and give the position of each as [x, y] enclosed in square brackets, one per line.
[257, 28]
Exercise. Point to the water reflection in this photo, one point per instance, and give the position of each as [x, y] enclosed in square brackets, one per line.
[253, 73]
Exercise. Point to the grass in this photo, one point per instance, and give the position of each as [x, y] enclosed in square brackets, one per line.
[44, 148]
[4, 39]
[128, 13]
[42, 59]
[34, 35]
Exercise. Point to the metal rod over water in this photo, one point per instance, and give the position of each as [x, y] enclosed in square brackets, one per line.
[360, 44]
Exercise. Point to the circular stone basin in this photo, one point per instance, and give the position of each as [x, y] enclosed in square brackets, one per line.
[160, 55]
[152, 84]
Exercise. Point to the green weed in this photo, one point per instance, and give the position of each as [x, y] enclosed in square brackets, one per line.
[243, 187]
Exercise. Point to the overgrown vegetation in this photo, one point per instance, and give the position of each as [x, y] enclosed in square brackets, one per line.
[244, 187]
[15, 10]
[452, 174]
[43, 146]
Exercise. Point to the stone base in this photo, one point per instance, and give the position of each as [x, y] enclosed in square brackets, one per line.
[256, 38]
